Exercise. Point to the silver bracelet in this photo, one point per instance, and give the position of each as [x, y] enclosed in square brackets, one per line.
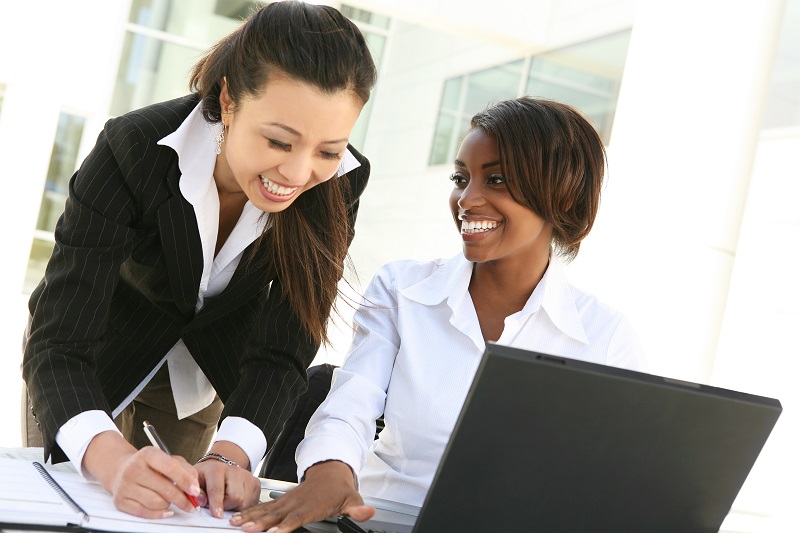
[218, 457]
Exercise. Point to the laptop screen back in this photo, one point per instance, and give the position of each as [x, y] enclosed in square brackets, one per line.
[555, 444]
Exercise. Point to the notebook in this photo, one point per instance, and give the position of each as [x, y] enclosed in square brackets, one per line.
[33, 497]
[548, 443]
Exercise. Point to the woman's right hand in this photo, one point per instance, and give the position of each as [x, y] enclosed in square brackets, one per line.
[328, 490]
[143, 483]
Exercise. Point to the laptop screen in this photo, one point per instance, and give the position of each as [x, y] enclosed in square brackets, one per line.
[549, 443]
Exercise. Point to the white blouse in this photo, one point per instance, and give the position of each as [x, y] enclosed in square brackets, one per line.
[415, 351]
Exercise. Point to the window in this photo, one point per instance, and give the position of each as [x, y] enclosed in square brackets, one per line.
[164, 39]
[376, 32]
[466, 95]
[367, 17]
[63, 161]
[783, 99]
[586, 76]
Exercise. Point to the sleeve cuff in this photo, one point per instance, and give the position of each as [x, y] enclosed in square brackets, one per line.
[247, 436]
[76, 434]
[313, 450]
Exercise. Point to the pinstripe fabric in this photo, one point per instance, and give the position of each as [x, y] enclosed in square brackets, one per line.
[121, 286]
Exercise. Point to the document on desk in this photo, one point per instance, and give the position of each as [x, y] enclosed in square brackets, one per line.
[30, 495]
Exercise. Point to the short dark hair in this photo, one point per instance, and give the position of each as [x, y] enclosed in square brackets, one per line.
[553, 161]
[312, 43]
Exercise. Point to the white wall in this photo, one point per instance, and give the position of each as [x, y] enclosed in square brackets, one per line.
[55, 57]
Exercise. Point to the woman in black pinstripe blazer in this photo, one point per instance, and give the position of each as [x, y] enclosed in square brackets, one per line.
[218, 295]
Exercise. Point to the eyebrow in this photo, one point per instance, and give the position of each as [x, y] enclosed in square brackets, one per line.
[490, 164]
[296, 133]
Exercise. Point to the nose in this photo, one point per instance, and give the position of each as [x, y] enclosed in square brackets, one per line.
[471, 196]
[296, 169]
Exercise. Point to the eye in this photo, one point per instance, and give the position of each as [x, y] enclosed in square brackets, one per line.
[496, 179]
[331, 155]
[458, 179]
[279, 145]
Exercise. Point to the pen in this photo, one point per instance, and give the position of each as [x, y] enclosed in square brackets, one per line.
[156, 441]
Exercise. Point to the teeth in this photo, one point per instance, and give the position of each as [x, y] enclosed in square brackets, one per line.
[477, 226]
[277, 189]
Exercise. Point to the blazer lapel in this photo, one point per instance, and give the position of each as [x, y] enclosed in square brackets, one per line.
[183, 250]
[247, 282]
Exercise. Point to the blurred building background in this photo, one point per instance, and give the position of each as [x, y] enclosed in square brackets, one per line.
[698, 101]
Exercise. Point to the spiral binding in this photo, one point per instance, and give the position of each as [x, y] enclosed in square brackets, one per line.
[59, 490]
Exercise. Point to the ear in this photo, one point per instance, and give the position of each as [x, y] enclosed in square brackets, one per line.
[225, 103]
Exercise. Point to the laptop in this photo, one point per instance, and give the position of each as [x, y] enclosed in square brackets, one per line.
[549, 443]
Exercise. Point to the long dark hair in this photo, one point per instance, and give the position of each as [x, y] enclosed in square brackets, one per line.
[553, 161]
[307, 242]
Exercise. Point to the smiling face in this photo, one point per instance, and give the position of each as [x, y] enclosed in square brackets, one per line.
[493, 226]
[284, 141]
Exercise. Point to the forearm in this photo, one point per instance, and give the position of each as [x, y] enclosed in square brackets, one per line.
[104, 456]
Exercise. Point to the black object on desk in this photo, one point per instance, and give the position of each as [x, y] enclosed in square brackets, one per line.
[548, 443]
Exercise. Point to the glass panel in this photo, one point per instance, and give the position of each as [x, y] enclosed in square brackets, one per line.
[41, 250]
[367, 17]
[150, 71]
[376, 44]
[63, 162]
[783, 99]
[492, 85]
[204, 22]
[359, 133]
[586, 76]
[442, 138]
[452, 93]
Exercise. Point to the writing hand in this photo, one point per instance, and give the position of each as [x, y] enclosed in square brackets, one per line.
[142, 483]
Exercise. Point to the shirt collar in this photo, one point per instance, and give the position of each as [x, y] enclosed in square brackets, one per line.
[553, 294]
[446, 282]
[193, 141]
[558, 301]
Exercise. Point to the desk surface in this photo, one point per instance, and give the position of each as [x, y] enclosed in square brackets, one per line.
[734, 523]
[267, 485]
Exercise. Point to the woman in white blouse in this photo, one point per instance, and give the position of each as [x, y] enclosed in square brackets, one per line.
[527, 182]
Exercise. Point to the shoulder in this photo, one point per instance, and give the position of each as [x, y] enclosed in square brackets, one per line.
[597, 317]
[608, 327]
[155, 121]
[403, 273]
[359, 176]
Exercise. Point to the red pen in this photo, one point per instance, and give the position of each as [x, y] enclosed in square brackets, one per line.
[150, 431]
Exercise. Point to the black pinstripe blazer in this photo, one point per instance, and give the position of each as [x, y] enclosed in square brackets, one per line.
[121, 287]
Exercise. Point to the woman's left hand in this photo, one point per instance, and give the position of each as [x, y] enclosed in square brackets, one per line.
[227, 487]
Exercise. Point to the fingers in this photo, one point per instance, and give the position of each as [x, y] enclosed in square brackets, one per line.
[228, 487]
[177, 478]
[142, 485]
[311, 501]
[279, 518]
[360, 512]
[214, 479]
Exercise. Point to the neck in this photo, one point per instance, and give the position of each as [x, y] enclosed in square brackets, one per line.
[507, 283]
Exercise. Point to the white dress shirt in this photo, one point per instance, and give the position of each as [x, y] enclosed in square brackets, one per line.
[416, 349]
[194, 143]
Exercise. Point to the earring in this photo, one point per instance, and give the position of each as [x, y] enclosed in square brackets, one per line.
[218, 140]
